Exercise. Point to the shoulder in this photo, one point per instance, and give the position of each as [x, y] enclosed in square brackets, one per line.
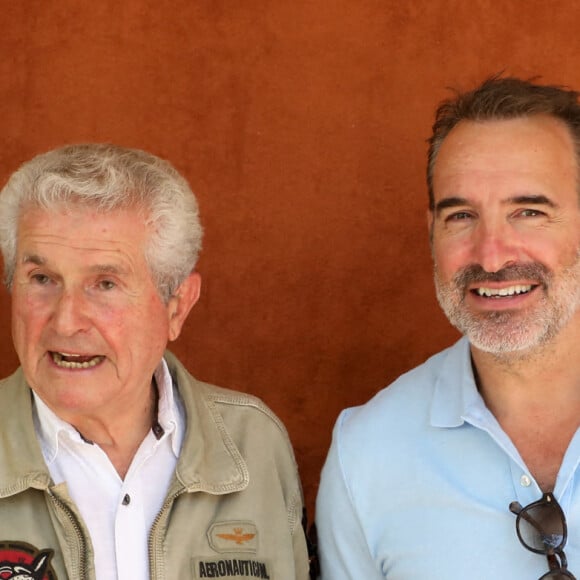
[400, 410]
[14, 394]
[240, 412]
[231, 402]
[13, 381]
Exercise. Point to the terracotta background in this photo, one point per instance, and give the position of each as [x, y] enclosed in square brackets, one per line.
[301, 126]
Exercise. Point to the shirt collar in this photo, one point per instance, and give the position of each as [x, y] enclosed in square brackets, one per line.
[456, 398]
[170, 410]
[50, 428]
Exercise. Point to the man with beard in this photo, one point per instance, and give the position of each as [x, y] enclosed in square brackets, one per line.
[467, 466]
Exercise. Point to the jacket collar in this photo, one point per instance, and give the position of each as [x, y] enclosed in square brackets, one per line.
[210, 461]
[20, 454]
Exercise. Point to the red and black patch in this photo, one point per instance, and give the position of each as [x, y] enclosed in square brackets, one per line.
[21, 561]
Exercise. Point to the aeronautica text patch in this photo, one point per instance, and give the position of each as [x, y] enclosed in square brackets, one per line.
[21, 561]
[231, 568]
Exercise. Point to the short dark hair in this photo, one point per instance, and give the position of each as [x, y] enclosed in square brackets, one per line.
[499, 98]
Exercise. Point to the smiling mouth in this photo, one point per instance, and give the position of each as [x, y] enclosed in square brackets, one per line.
[75, 361]
[509, 291]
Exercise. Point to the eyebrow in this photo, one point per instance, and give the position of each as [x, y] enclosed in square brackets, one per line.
[107, 269]
[97, 269]
[527, 199]
[33, 259]
[532, 200]
[449, 202]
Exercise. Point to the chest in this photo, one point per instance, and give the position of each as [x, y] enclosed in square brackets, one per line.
[542, 444]
[437, 507]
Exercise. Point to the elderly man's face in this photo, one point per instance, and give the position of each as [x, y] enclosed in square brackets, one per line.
[88, 324]
[506, 231]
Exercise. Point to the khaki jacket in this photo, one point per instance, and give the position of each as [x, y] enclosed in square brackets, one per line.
[233, 509]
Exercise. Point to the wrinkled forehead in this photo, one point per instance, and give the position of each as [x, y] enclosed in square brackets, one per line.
[82, 226]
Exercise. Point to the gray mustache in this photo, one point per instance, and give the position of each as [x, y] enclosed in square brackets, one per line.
[476, 274]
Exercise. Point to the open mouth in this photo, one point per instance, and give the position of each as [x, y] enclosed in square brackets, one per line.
[508, 292]
[75, 361]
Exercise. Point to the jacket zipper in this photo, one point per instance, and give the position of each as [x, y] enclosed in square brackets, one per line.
[153, 533]
[75, 524]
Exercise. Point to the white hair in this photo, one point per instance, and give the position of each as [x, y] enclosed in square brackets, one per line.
[107, 177]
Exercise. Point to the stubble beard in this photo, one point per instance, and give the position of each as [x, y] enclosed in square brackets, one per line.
[502, 332]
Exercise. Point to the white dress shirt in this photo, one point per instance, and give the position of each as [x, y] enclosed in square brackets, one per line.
[118, 513]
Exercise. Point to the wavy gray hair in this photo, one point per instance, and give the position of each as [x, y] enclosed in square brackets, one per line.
[108, 177]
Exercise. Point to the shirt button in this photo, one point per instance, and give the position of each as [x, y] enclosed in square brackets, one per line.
[158, 431]
[525, 480]
[126, 499]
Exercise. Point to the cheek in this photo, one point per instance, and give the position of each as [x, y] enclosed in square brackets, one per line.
[28, 301]
[553, 252]
[110, 316]
[28, 325]
[137, 327]
[449, 258]
[27, 313]
[157, 312]
[139, 341]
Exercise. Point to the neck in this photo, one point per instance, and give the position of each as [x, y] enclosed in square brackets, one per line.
[535, 396]
[120, 436]
[526, 377]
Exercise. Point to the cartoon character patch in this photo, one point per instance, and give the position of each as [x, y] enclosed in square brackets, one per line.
[21, 561]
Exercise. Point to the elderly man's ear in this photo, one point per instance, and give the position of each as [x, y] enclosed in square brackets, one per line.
[182, 302]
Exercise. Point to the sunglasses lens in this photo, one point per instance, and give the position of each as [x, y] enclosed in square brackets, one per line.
[541, 528]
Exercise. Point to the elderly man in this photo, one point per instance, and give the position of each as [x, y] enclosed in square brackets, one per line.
[114, 461]
[468, 466]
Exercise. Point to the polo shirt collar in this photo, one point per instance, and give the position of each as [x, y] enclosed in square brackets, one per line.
[456, 398]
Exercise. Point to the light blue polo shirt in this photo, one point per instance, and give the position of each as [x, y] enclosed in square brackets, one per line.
[418, 482]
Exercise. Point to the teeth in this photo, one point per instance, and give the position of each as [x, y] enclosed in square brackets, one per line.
[509, 291]
[58, 358]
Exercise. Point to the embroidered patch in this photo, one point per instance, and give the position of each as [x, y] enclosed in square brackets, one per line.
[234, 536]
[232, 568]
[21, 561]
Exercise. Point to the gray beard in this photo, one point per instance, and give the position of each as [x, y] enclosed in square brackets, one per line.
[512, 331]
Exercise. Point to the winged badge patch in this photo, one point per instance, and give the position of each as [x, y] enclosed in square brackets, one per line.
[233, 536]
[238, 536]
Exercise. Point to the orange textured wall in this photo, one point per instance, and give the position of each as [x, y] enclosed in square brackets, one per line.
[301, 126]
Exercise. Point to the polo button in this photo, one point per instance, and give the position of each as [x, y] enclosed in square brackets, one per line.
[525, 480]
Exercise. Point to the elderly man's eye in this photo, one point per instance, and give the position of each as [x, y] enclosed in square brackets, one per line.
[106, 284]
[41, 279]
